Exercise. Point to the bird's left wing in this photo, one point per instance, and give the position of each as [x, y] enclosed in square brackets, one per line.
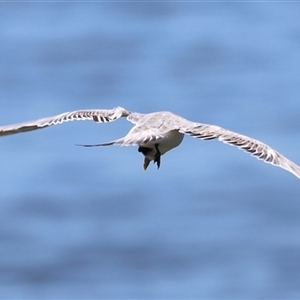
[97, 115]
[137, 136]
[252, 146]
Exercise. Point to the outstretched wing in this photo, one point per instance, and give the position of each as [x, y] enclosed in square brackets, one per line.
[97, 115]
[252, 146]
[137, 136]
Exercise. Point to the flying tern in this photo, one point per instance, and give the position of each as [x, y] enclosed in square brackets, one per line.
[159, 132]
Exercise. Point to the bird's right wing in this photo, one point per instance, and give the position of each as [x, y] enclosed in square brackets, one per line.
[97, 115]
[252, 146]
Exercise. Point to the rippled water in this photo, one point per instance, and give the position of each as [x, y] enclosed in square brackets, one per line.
[213, 222]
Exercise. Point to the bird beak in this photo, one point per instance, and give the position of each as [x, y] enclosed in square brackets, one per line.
[146, 163]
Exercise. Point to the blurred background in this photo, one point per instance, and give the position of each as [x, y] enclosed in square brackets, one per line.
[213, 222]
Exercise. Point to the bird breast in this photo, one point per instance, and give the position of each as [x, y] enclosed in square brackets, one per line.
[171, 140]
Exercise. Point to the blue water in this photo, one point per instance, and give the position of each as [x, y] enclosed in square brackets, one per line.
[213, 222]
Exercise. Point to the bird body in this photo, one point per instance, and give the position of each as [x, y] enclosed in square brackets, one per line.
[159, 132]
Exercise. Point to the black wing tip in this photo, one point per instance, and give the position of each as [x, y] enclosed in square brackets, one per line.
[81, 145]
[95, 145]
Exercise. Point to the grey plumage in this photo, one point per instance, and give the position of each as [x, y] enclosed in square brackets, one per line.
[158, 132]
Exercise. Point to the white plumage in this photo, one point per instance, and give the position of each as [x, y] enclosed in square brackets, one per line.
[157, 133]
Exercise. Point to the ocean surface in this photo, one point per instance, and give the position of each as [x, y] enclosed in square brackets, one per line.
[89, 223]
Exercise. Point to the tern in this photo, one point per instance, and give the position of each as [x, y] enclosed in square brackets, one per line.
[159, 132]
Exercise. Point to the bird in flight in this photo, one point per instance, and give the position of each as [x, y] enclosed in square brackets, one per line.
[159, 132]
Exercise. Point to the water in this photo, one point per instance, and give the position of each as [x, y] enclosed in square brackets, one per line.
[213, 222]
